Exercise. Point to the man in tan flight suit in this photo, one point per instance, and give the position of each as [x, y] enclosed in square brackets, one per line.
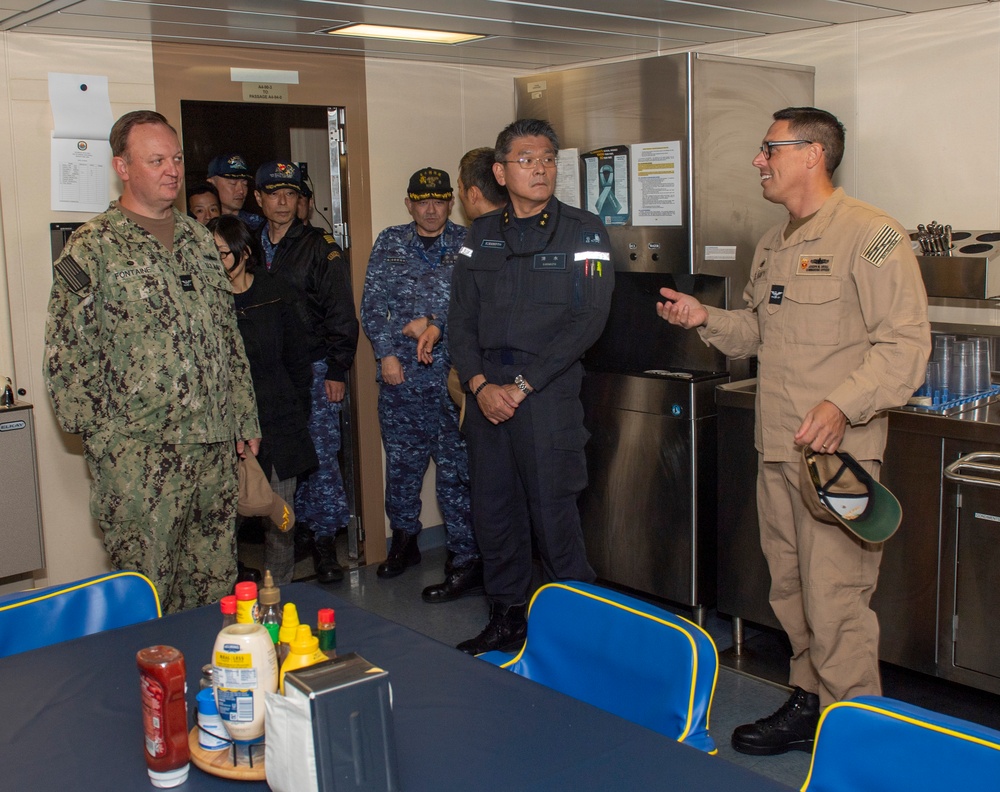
[837, 314]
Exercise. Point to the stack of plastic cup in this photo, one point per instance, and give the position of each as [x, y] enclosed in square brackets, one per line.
[963, 370]
[982, 364]
[943, 345]
[932, 383]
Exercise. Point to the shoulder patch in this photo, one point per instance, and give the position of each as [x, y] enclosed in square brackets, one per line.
[329, 239]
[333, 255]
[71, 272]
[881, 246]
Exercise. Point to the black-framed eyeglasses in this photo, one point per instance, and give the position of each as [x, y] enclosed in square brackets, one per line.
[527, 163]
[223, 252]
[767, 149]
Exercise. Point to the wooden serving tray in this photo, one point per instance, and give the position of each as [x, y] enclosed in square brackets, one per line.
[220, 763]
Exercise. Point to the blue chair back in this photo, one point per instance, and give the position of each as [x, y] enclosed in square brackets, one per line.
[876, 744]
[623, 655]
[36, 618]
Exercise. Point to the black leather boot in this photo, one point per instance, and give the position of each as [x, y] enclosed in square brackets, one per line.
[403, 552]
[464, 581]
[305, 539]
[791, 728]
[506, 631]
[328, 569]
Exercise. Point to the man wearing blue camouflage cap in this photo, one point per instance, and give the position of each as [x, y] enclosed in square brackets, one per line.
[313, 264]
[403, 310]
[231, 176]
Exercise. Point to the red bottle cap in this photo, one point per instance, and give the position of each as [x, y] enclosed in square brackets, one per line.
[326, 616]
[228, 604]
[247, 590]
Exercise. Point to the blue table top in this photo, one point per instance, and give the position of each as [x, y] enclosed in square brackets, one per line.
[70, 717]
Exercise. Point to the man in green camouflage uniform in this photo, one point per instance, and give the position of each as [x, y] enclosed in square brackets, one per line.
[143, 358]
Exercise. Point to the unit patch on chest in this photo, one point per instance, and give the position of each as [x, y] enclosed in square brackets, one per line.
[882, 245]
[815, 264]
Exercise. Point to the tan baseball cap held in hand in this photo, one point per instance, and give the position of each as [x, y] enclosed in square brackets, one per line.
[836, 488]
[257, 499]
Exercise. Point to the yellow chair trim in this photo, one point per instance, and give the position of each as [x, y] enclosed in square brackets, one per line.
[110, 576]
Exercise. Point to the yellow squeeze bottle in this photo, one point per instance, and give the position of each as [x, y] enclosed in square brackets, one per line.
[304, 652]
[286, 633]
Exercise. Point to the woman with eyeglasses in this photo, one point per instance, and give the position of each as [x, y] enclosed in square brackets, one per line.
[275, 343]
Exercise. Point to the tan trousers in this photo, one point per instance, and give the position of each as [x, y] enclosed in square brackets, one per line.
[822, 580]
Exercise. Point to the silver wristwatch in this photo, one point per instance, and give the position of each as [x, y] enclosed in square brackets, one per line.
[522, 385]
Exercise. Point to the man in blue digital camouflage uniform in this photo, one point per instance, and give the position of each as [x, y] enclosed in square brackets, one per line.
[144, 360]
[403, 313]
[531, 293]
[313, 264]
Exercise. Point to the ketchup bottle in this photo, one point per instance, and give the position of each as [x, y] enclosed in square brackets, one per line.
[164, 715]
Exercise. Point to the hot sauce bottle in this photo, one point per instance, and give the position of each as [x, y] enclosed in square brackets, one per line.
[164, 715]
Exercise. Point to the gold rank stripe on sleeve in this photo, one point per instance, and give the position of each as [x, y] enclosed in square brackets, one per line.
[71, 272]
[881, 246]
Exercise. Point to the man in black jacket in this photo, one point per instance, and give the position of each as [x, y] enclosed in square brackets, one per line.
[530, 294]
[312, 262]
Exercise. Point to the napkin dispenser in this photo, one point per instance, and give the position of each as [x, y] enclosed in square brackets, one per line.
[350, 703]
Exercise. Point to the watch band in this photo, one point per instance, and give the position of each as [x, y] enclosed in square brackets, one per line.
[477, 391]
[522, 385]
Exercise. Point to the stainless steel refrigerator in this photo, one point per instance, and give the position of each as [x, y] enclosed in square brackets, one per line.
[649, 511]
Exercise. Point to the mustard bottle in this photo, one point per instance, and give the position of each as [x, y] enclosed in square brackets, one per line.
[286, 633]
[304, 652]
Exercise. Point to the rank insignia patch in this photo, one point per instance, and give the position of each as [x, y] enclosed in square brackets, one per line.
[882, 245]
[777, 295]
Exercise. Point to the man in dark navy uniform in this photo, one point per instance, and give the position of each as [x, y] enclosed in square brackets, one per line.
[531, 292]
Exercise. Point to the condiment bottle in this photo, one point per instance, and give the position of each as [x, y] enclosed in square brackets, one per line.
[289, 624]
[245, 669]
[326, 631]
[212, 735]
[270, 606]
[304, 652]
[247, 609]
[228, 607]
[164, 715]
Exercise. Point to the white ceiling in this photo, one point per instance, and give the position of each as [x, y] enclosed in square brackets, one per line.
[522, 34]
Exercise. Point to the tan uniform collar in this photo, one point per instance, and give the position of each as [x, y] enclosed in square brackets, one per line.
[812, 230]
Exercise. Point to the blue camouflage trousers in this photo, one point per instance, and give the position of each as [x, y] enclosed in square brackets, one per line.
[320, 498]
[419, 422]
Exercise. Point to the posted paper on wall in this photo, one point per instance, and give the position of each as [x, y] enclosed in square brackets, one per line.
[568, 177]
[656, 184]
[81, 153]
